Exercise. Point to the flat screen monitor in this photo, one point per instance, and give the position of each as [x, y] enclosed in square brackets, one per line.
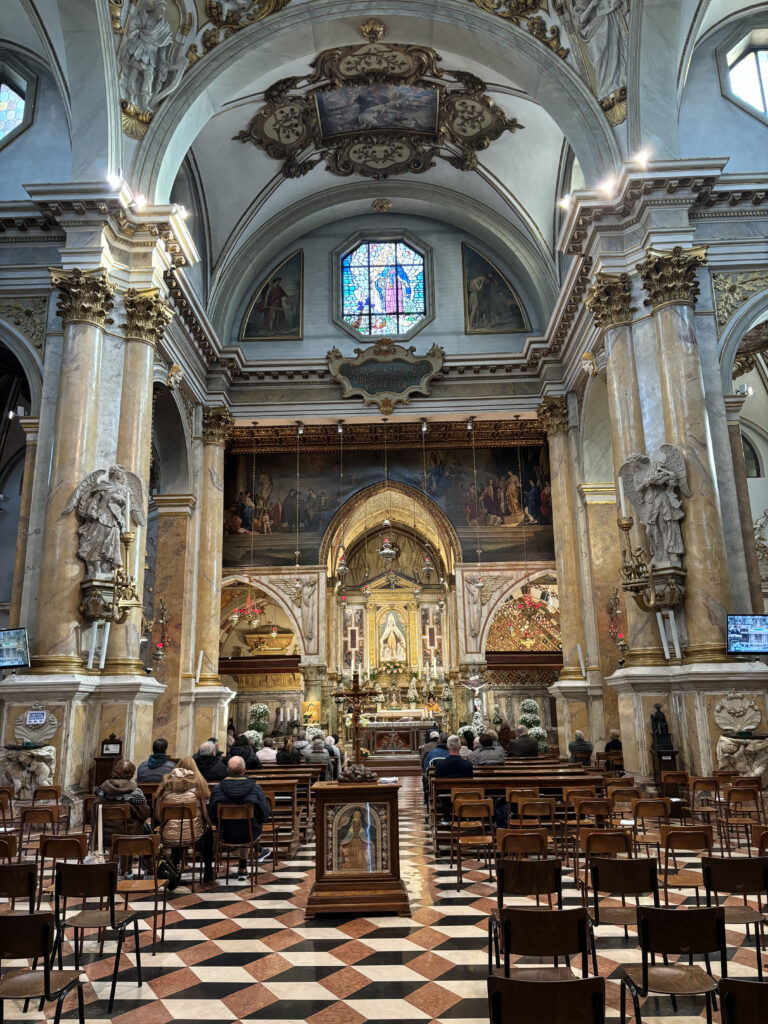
[14, 648]
[748, 634]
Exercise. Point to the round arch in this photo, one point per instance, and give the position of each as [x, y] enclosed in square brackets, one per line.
[504, 593]
[170, 440]
[261, 49]
[353, 518]
[734, 332]
[30, 362]
[263, 583]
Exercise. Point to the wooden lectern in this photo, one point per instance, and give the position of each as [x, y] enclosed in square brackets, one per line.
[357, 850]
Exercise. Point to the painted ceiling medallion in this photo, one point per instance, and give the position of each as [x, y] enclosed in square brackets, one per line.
[375, 110]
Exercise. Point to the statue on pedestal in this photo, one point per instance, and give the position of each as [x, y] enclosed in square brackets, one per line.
[660, 738]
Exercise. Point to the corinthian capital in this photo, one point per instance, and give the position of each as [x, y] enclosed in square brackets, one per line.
[146, 315]
[85, 296]
[217, 423]
[671, 276]
[553, 412]
[608, 300]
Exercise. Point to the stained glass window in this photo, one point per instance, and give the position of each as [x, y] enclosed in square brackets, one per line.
[11, 109]
[382, 288]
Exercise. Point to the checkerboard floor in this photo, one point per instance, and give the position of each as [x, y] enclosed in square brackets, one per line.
[234, 954]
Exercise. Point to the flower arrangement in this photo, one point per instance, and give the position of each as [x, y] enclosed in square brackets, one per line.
[364, 722]
[465, 728]
[365, 753]
[314, 730]
[413, 694]
[497, 717]
[478, 722]
[254, 736]
[393, 667]
[258, 717]
[531, 719]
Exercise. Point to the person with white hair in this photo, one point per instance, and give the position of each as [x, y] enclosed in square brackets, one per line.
[579, 745]
[319, 755]
[267, 752]
[614, 743]
[210, 766]
[432, 741]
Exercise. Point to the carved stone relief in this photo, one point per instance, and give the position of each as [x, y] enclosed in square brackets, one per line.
[28, 314]
[747, 757]
[738, 713]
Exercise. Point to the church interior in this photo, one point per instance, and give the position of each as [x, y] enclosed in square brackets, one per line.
[384, 500]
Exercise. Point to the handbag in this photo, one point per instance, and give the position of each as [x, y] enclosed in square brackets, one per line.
[167, 869]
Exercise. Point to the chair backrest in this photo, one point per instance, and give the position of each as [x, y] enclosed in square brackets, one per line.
[748, 781]
[41, 794]
[8, 846]
[686, 837]
[115, 812]
[625, 795]
[35, 939]
[529, 931]
[635, 877]
[741, 797]
[681, 932]
[656, 808]
[704, 784]
[136, 846]
[599, 809]
[674, 779]
[70, 847]
[581, 756]
[623, 782]
[37, 816]
[175, 812]
[18, 881]
[235, 812]
[760, 838]
[514, 843]
[571, 793]
[515, 795]
[742, 1001]
[541, 807]
[581, 1001]
[462, 797]
[475, 810]
[86, 881]
[530, 878]
[737, 875]
[605, 841]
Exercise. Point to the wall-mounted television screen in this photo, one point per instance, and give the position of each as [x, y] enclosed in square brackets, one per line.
[14, 648]
[748, 634]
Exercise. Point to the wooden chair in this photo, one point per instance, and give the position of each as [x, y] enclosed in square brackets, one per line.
[118, 814]
[581, 1001]
[6, 811]
[9, 845]
[582, 757]
[512, 844]
[474, 832]
[752, 782]
[739, 876]
[675, 785]
[704, 799]
[523, 877]
[636, 877]
[527, 931]
[50, 796]
[740, 811]
[602, 842]
[38, 819]
[236, 812]
[147, 884]
[18, 882]
[86, 882]
[623, 782]
[623, 797]
[742, 1001]
[675, 932]
[186, 843]
[270, 830]
[760, 839]
[688, 839]
[59, 848]
[457, 798]
[515, 795]
[539, 813]
[35, 942]
[656, 811]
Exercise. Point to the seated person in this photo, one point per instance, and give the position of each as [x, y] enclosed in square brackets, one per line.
[267, 752]
[244, 748]
[237, 788]
[157, 764]
[186, 787]
[524, 745]
[578, 745]
[452, 766]
[209, 764]
[319, 755]
[614, 743]
[119, 788]
[489, 751]
[438, 752]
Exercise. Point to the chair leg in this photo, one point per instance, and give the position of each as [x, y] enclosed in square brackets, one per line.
[59, 1001]
[758, 955]
[623, 1002]
[138, 948]
[118, 952]
[80, 1004]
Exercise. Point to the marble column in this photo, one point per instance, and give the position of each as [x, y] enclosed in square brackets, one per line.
[733, 406]
[85, 300]
[669, 278]
[146, 316]
[609, 302]
[174, 525]
[553, 412]
[217, 422]
[30, 425]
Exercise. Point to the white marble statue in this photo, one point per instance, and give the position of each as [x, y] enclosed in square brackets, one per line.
[602, 30]
[747, 757]
[25, 770]
[305, 600]
[105, 508]
[145, 55]
[473, 585]
[650, 484]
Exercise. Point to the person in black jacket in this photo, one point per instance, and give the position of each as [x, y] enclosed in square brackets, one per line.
[209, 764]
[243, 748]
[236, 788]
[524, 745]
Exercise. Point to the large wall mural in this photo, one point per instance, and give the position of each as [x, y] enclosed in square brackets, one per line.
[508, 515]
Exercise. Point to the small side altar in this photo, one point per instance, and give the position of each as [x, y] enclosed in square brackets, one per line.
[402, 736]
[357, 850]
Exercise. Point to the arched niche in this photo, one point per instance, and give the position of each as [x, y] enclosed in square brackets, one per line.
[537, 579]
[743, 320]
[29, 360]
[405, 507]
[170, 444]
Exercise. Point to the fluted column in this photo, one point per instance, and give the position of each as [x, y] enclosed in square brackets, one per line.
[733, 405]
[609, 301]
[30, 425]
[217, 422]
[146, 316]
[553, 412]
[85, 299]
[669, 278]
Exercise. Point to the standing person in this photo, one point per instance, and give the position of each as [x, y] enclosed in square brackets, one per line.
[237, 788]
[267, 752]
[186, 787]
[120, 788]
[230, 738]
[319, 755]
[578, 745]
[157, 764]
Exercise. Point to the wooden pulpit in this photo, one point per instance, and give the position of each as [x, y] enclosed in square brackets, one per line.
[357, 850]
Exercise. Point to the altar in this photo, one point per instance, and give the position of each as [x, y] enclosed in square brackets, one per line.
[397, 732]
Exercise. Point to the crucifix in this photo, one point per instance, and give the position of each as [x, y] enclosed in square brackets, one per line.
[355, 698]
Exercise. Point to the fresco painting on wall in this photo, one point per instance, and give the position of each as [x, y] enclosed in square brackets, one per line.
[491, 305]
[512, 503]
[276, 312]
[379, 106]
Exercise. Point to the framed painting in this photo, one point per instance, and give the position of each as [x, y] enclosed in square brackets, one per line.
[276, 312]
[491, 304]
[357, 838]
[310, 712]
[377, 107]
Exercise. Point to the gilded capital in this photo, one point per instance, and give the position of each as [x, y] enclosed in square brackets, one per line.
[217, 423]
[146, 315]
[553, 412]
[608, 300]
[85, 296]
[671, 276]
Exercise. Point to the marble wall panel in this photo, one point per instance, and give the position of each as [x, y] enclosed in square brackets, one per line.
[605, 560]
[205, 724]
[169, 576]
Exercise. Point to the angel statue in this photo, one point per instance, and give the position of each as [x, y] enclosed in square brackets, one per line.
[650, 485]
[105, 509]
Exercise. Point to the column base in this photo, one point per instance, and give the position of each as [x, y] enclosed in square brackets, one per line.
[209, 680]
[55, 664]
[568, 672]
[645, 656]
[124, 667]
[707, 654]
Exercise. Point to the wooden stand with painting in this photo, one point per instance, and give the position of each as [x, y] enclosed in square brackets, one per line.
[358, 850]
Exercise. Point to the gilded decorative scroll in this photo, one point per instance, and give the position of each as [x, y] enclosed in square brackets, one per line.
[385, 374]
[526, 12]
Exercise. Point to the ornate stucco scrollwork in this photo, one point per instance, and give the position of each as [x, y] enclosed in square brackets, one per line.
[737, 712]
[553, 413]
[217, 423]
[731, 291]
[28, 313]
[608, 300]
[228, 17]
[84, 296]
[671, 276]
[146, 315]
[376, 109]
[527, 12]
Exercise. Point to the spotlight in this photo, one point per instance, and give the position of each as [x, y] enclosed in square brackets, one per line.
[566, 201]
[140, 202]
[642, 156]
[340, 427]
[423, 426]
[609, 185]
[114, 181]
